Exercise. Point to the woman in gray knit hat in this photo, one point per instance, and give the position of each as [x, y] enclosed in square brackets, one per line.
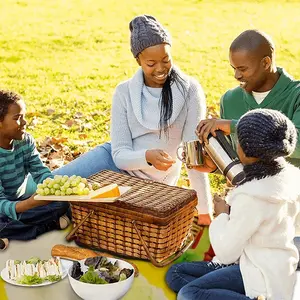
[152, 114]
[253, 240]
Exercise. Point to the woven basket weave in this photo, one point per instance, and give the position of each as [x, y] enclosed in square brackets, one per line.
[151, 221]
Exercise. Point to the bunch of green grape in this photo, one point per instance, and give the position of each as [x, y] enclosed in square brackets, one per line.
[64, 186]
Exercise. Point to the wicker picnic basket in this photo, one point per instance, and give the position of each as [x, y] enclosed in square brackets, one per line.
[151, 221]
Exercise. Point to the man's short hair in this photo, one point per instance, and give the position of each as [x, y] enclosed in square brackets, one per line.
[254, 41]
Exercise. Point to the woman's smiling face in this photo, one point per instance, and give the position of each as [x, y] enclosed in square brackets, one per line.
[156, 63]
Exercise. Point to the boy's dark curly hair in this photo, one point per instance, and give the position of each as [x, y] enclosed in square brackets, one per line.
[6, 99]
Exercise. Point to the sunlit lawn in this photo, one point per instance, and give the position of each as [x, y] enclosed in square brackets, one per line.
[69, 55]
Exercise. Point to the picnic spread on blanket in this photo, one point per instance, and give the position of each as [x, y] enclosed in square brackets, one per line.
[149, 220]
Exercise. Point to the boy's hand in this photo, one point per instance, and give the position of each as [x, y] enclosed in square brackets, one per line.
[36, 203]
[29, 204]
[205, 127]
[159, 159]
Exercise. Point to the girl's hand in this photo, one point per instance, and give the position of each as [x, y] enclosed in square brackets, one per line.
[220, 206]
[159, 159]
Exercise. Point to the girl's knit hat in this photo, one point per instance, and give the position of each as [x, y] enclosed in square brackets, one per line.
[146, 32]
[266, 134]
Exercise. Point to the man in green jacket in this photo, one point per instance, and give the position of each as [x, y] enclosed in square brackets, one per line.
[262, 85]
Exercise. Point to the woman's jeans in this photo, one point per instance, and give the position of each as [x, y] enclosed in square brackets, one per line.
[207, 281]
[91, 162]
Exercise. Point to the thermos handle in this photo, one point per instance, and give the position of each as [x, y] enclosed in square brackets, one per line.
[178, 156]
[223, 140]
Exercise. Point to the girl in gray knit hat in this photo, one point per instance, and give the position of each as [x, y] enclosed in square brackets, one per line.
[253, 240]
[152, 114]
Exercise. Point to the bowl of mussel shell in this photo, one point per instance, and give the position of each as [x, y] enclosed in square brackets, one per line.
[101, 277]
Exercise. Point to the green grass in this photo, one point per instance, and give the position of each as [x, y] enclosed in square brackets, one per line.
[69, 55]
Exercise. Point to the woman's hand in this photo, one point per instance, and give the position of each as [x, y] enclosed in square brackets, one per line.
[205, 127]
[159, 159]
[220, 206]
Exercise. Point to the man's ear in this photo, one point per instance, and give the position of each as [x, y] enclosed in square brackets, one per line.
[267, 62]
[138, 61]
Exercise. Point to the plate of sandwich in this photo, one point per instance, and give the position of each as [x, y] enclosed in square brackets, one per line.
[35, 272]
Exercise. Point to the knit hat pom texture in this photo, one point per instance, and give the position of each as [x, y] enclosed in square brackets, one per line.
[266, 134]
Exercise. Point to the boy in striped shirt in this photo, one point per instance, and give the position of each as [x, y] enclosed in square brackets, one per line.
[22, 217]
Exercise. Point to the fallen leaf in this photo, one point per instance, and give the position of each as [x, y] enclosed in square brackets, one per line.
[54, 152]
[56, 155]
[78, 115]
[76, 153]
[32, 114]
[88, 126]
[83, 136]
[50, 111]
[78, 122]
[33, 123]
[69, 123]
[60, 140]
[56, 163]
[89, 118]
[45, 142]
[100, 113]
[79, 143]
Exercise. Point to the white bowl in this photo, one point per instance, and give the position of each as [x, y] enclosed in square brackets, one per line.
[110, 291]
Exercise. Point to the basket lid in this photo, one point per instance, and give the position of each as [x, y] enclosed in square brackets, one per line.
[146, 196]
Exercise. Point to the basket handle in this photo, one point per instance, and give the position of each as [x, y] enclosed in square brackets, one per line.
[71, 234]
[169, 259]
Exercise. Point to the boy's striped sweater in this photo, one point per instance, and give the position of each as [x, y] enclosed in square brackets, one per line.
[15, 165]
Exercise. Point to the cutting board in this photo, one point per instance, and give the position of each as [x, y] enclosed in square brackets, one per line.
[77, 198]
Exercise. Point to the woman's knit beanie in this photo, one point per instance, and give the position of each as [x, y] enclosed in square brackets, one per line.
[146, 32]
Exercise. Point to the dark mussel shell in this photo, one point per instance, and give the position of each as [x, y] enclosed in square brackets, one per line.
[76, 272]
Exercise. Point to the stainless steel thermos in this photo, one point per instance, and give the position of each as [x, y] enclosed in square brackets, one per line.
[220, 151]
